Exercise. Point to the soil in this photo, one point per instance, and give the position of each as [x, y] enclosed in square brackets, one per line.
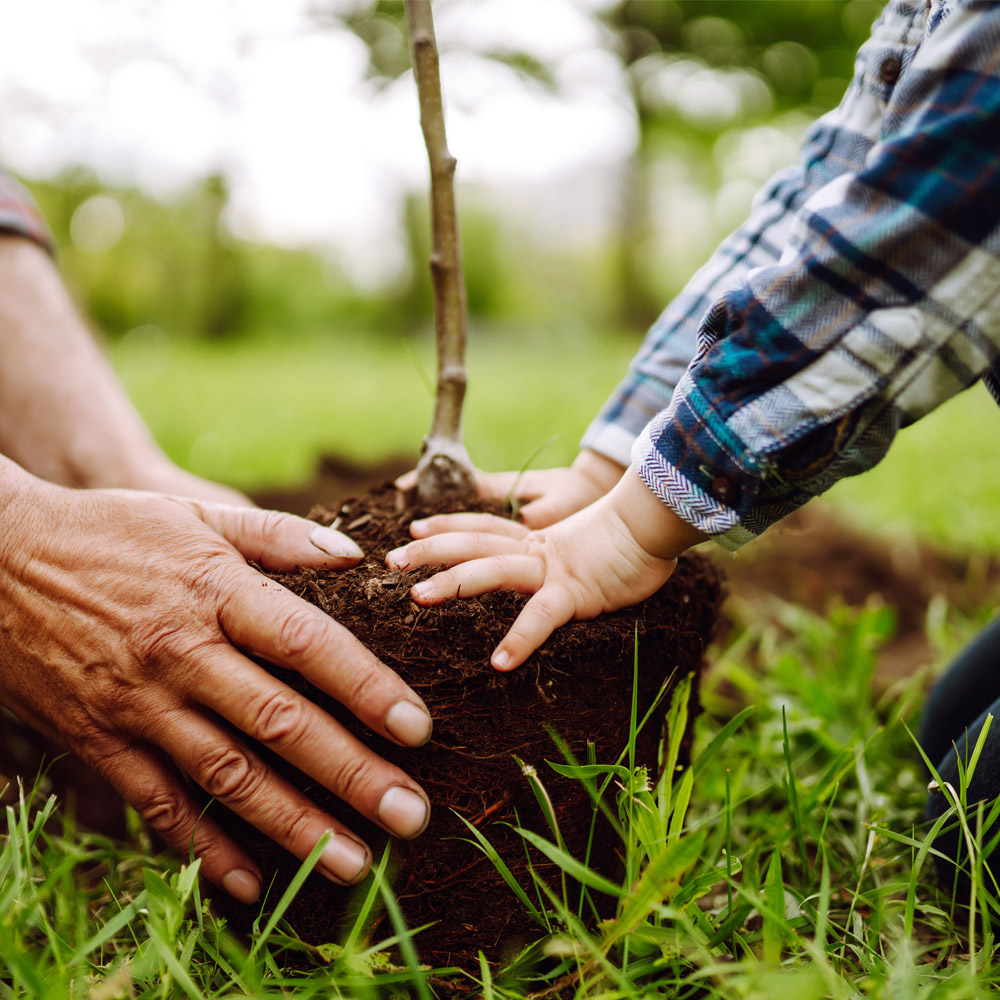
[814, 559]
[578, 685]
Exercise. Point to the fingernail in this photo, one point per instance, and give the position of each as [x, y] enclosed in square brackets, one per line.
[409, 723]
[501, 660]
[395, 560]
[403, 812]
[242, 885]
[420, 591]
[344, 860]
[333, 543]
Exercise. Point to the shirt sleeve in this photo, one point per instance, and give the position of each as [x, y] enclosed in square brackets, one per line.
[884, 303]
[838, 142]
[671, 343]
[19, 215]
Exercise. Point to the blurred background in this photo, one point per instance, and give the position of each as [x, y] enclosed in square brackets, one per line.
[238, 193]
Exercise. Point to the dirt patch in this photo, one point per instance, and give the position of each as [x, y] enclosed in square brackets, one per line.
[578, 685]
[813, 558]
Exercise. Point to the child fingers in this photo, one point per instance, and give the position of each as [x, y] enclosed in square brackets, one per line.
[547, 510]
[451, 548]
[539, 618]
[407, 481]
[525, 574]
[496, 484]
[485, 523]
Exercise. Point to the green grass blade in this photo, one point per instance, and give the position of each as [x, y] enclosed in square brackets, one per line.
[289, 894]
[505, 873]
[418, 976]
[111, 928]
[570, 866]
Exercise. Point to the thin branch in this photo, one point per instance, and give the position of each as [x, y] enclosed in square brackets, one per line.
[444, 465]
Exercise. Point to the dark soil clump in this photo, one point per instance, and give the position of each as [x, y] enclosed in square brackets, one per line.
[579, 685]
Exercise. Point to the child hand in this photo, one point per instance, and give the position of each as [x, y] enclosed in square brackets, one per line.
[610, 555]
[547, 495]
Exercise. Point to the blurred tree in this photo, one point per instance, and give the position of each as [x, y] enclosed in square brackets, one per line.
[696, 68]
[136, 261]
[380, 25]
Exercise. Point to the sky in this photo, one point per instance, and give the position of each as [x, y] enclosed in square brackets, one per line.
[161, 93]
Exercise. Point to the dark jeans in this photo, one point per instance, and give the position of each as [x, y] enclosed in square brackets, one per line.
[953, 720]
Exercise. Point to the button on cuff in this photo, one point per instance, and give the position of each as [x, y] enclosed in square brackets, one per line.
[725, 491]
[889, 69]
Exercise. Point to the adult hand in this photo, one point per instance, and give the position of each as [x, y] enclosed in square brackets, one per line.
[546, 495]
[612, 554]
[163, 476]
[128, 621]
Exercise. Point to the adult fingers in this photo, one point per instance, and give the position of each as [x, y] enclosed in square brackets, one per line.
[450, 548]
[304, 735]
[539, 618]
[242, 782]
[277, 540]
[263, 617]
[485, 523]
[152, 786]
[525, 574]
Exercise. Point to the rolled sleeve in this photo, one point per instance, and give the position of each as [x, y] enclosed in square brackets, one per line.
[672, 341]
[19, 215]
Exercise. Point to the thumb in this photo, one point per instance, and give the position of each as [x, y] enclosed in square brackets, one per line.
[277, 540]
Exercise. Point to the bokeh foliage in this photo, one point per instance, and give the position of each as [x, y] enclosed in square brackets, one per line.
[702, 76]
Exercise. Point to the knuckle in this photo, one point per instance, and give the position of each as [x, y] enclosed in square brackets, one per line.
[505, 564]
[213, 574]
[270, 524]
[167, 812]
[300, 633]
[281, 719]
[351, 777]
[230, 774]
[364, 691]
[290, 822]
[160, 641]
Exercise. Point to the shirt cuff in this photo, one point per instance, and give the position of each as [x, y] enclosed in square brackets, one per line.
[19, 215]
[697, 467]
[687, 499]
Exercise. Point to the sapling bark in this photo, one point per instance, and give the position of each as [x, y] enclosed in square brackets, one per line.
[444, 468]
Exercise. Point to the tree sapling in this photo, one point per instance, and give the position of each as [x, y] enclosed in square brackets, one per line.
[444, 468]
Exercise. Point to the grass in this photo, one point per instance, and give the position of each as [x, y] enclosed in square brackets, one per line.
[259, 413]
[789, 860]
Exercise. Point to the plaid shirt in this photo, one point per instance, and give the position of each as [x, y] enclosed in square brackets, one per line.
[863, 291]
[19, 215]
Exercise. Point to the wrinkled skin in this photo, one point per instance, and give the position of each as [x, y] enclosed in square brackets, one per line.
[127, 618]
